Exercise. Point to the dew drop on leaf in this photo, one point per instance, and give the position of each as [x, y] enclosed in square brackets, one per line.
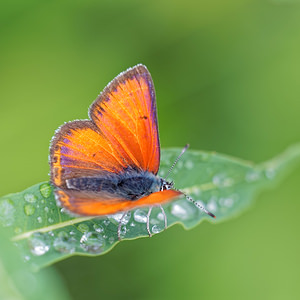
[117, 217]
[221, 180]
[45, 190]
[189, 164]
[64, 243]
[30, 198]
[160, 216]
[98, 228]
[270, 173]
[212, 205]
[227, 202]
[123, 230]
[18, 230]
[156, 229]
[106, 222]
[29, 209]
[111, 240]
[182, 210]
[39, 244]
[140, 216]
[7, 212]
[205, 156]
[83, 228]
[126, 218]
[252, 176]
[92, 242]
[63, 210]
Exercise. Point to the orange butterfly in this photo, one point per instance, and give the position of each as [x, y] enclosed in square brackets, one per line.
[109, 163]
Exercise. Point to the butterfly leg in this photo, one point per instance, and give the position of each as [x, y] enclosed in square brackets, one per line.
[120, 225]
[165, 216]
[148, 221]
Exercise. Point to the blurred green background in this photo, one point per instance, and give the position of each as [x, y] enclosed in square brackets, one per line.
[227, 79]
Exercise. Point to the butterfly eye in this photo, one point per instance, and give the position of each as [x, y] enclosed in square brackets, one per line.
[165, 185]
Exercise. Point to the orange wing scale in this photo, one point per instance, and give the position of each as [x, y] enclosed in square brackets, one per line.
[89, 204]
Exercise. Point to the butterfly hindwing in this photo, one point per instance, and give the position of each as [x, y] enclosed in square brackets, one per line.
[100, 204]
[78, 149]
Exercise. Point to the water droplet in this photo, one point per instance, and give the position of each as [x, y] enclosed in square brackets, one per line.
[29, 209]
[140, 216]
[45, 190]
[123, 230]
[221, 180]
[50, 220]
[39, 219]
[156, 229]
[189, 164]
[162, 173]
[63, 210]
[196, 191]
[106, 222]
[26, 258]
[64, 243]
[132, 224]
[154, 221]
[18, 230]
[228, 202]
[83, 228]
[38, 244]
[270, 173]
[7, 212]
[116, 217]
[205, 156]
[212, 204]
[182, 210]
[252, 176]
[30, 198]
[46, 209]
[160, 216]
[98, 228]
[92, 242]
[119, 216]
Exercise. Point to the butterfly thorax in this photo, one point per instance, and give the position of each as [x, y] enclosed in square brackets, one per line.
[131, 185]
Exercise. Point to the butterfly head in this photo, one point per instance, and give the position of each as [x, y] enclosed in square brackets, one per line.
[166, 185]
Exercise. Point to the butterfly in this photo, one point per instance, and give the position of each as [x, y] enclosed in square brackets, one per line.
[109, 163]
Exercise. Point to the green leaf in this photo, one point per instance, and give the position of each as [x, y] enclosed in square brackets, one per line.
[18, 282]
[45, 233]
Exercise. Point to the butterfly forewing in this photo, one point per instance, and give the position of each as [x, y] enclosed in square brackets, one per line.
[125, 113]
[122, 133]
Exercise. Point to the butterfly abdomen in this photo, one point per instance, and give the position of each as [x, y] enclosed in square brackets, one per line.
[130, 185]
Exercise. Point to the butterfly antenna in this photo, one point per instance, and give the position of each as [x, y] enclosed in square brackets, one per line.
[176, 160]
[199, 206]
